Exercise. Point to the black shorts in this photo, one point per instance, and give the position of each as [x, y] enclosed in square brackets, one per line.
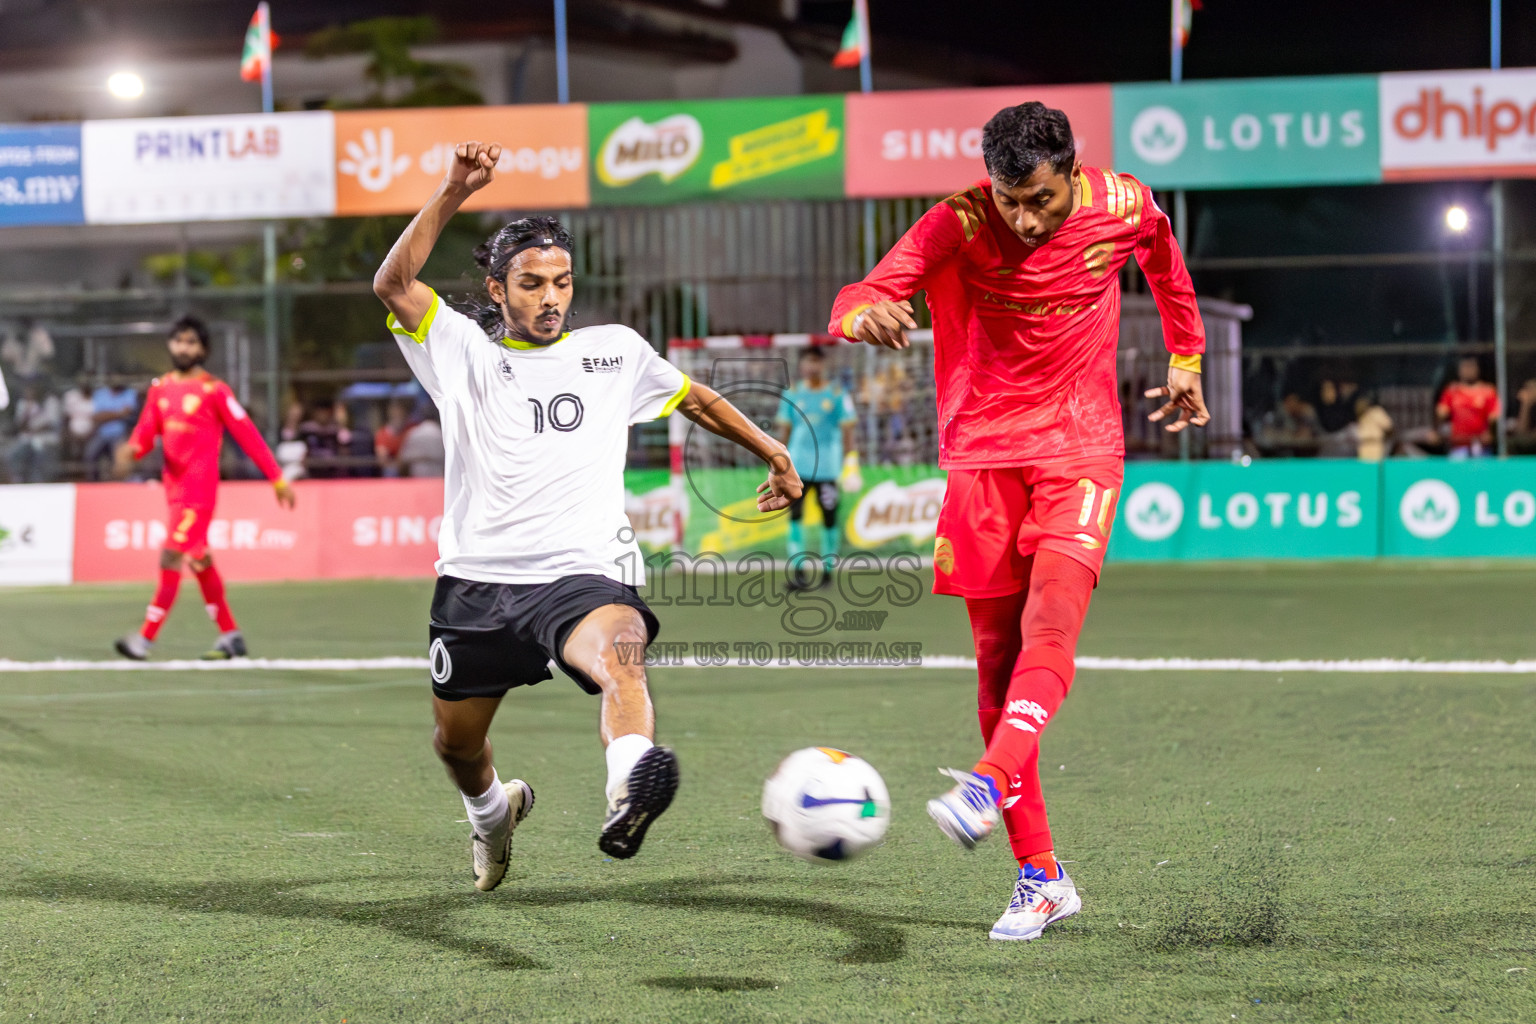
[490, 637]
[826, 496]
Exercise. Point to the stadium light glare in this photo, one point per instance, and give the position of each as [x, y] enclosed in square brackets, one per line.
[125, 85]
[1457, 219]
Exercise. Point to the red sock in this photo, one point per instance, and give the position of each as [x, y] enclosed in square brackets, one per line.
[160, 607]
[1059, 590]
[213, 598]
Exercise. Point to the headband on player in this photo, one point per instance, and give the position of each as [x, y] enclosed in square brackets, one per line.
[540, 242]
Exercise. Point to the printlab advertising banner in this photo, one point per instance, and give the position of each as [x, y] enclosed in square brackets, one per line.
[1459, 124]
[37, 528]
[928, 142]
[209, 168]
[779, 148]
[40, 174]
[1440, 508]
[390, 161]
[1249, 134]
[1293, 508]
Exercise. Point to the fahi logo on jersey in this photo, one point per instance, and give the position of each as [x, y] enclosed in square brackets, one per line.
[602, 364]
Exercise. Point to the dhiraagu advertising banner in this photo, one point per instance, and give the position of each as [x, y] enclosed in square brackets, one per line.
[671, 152]
[1295, 508]
[1464, 508]
[1249, 133]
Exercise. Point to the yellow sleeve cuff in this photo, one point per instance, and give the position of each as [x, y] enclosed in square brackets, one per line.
[1189, 362]
[677, 399]
[850, 317]
[419, 335]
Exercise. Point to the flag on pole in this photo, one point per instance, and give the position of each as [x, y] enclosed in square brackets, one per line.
[855, 44]
[1187, 9]
[256, 58]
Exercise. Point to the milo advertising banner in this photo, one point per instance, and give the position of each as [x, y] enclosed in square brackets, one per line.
[1292, 508]
[670, 152]
[896, 509]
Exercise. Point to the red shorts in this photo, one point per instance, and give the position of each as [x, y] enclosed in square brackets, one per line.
[187, 530]
[993, 520]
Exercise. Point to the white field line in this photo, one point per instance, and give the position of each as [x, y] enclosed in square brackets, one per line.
[929, 661]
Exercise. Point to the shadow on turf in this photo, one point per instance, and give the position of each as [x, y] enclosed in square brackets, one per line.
[876, 938]
[708, 983]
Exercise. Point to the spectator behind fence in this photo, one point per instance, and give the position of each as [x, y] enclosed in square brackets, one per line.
[1292, 429]
[1372, 429]
[30, 353]
[325, 437]
[388, 438]
[1469, 405]
[1523, 437]
[79, 420]
[113, 410]
[1336, 404]
[33, 456]
[290, 446]
[421, 453]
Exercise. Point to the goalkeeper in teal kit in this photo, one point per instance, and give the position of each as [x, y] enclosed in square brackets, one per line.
[816, 419]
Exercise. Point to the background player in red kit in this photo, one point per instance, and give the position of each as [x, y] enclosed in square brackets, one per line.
[1022, 276]
[189, 409]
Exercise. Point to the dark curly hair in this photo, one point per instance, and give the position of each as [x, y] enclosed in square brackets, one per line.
[1019, 139]
[495, 254]
[196, 326]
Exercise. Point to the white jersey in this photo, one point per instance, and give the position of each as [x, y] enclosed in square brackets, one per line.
[535, 437]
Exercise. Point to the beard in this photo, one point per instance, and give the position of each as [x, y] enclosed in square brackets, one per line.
[185, 363]
[511, 331]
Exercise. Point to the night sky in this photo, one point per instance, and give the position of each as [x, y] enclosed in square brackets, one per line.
[1111, 40]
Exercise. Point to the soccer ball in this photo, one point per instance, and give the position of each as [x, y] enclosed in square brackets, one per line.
[826, 805]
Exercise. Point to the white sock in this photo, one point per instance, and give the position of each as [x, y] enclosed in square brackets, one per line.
[489, 809]
[622, 754]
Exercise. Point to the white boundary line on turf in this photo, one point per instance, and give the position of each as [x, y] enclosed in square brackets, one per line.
[929, 661]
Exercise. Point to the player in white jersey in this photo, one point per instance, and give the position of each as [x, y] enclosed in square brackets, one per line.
[535, 545]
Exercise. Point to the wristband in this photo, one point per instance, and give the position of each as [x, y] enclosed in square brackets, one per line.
[1185, 362]
[851, 320]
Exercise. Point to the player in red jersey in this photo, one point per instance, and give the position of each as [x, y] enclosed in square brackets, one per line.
[1469, 406]
[1022, 276]
[189, 409]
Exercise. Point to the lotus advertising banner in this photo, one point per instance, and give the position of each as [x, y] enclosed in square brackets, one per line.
[1293, 508]
[673, 152]
[40, 174]
[1249, 133]
[1468, 508]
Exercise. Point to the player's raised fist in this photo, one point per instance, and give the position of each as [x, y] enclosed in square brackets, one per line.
[474, 164]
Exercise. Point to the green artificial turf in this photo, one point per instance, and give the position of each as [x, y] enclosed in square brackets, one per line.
[282, 846]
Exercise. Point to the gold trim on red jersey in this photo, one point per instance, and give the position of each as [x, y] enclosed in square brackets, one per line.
[970, 207]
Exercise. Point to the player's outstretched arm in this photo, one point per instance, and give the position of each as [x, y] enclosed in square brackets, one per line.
[877, 309]
[705, 407]
[239, 424]
[1157, 251]
[473, 168]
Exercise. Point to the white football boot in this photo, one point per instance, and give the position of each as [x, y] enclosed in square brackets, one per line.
[492, 853]
[1036, 902]
[968, 813]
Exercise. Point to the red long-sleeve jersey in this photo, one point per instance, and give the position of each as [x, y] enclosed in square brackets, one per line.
[1025, 338]
[191, 417]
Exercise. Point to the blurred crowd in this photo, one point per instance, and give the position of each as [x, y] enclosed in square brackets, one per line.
[70, 430]
[1342, 419]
